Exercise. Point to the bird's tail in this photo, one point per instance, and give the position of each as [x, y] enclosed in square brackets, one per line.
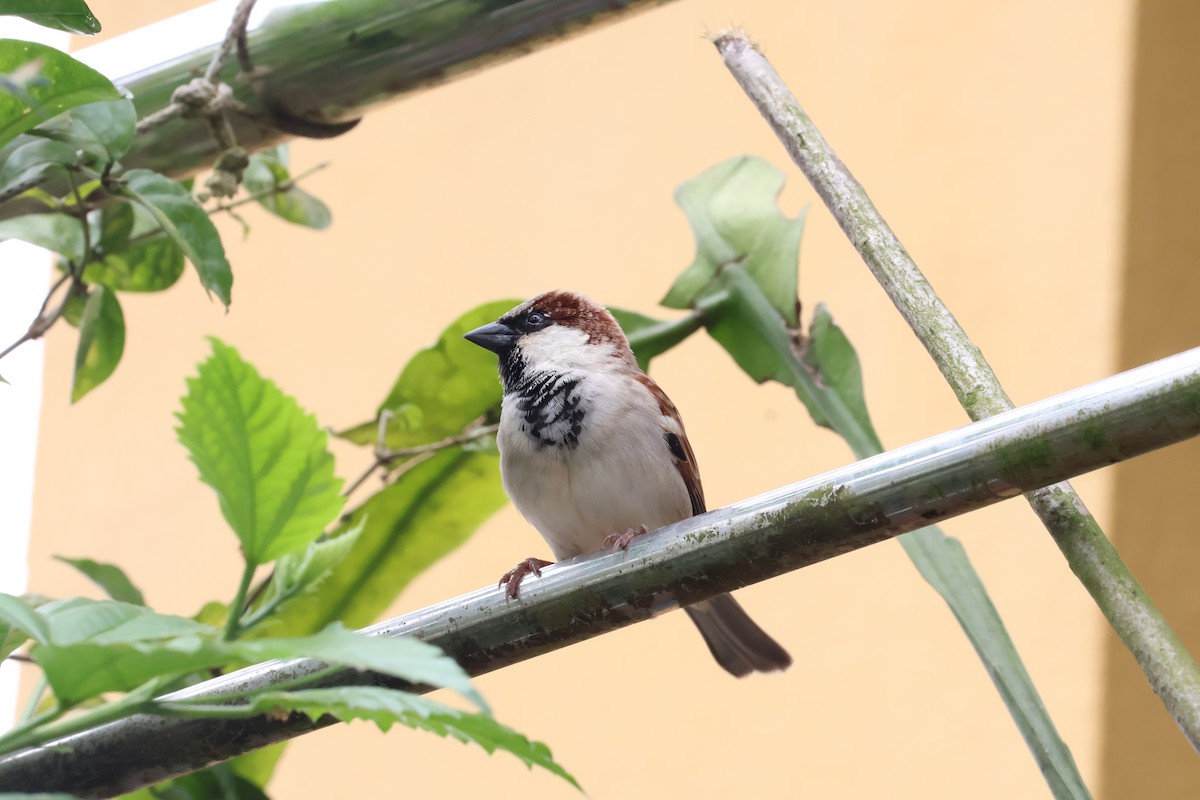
[738, 644]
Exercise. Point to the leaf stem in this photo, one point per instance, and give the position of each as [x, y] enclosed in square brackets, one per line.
[238, 606]
[1168, 666]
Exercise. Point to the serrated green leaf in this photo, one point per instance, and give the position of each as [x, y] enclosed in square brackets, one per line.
[386, 707]
[59, 233]
[40, 82]
[102, 131]
[442, 388]
[266, 172]
[109, 577]
[79, 671]
[299, 572]
[264, 455]
[734, 217]
[72, 16]
[76, 620]
[426, 513]
[101, 341]
[401, 657]
[186, 223]
[32, 159]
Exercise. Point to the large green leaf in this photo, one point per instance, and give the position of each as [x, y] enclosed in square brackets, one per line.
[386, 707]
[102, 132]
[101, 341]
[264, 176]
[266, 458]
[60, 233]
[101, 646]
[109, 577]
[428, 511]
[442, 388]
[148, 266]
[747, 317]
[40, 82]
[19, 622]
[186, 223]
[734, 219]
[72, 16]
[30, 161]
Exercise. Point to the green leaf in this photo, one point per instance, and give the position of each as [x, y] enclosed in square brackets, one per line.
[32, 159]
[442, 388]
[187, 225]
[402, 657]
[72, 16]
[265, 457]
[109, 577]
[734, 219]
[112, 226]
[266, 172]
[101, 341]
[103, 131]
[426, 513]
[386, 707]
[59, 233]
[296, 573]
[831, 356]
[77, 620]
[40, 82]
[18, 623]
[651, 337]
[218, 782]
[148, 266]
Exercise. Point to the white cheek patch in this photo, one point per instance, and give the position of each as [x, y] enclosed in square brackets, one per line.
[564, 348]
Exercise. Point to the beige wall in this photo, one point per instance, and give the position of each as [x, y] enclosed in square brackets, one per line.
[996, 140]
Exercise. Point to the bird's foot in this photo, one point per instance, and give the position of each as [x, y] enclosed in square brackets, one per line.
[511, 580]
[620, 541]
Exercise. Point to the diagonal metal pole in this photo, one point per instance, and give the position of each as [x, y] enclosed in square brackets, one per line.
[1169, 668]
[792, 527]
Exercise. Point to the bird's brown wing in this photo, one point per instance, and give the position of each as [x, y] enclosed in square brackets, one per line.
[678, 444]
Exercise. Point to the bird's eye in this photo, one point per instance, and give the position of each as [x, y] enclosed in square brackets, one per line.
[536, 318]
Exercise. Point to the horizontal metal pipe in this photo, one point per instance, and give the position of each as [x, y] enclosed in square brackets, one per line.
[750, 541]
[329, 62]
[320, 64]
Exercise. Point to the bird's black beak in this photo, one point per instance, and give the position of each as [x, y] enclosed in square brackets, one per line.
[495, 336]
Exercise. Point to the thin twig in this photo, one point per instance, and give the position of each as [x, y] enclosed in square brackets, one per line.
[1168, 666]
[385, 457]
[282, 186]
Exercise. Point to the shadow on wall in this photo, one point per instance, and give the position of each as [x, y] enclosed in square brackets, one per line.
[1156, 525]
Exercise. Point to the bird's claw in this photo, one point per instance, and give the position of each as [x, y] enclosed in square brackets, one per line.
[511, 580]
[620, 541]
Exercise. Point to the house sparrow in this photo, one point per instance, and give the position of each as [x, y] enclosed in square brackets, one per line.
[593, 453]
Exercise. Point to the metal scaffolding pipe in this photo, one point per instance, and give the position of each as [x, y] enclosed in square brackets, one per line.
[319, 65]
[723, 550]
